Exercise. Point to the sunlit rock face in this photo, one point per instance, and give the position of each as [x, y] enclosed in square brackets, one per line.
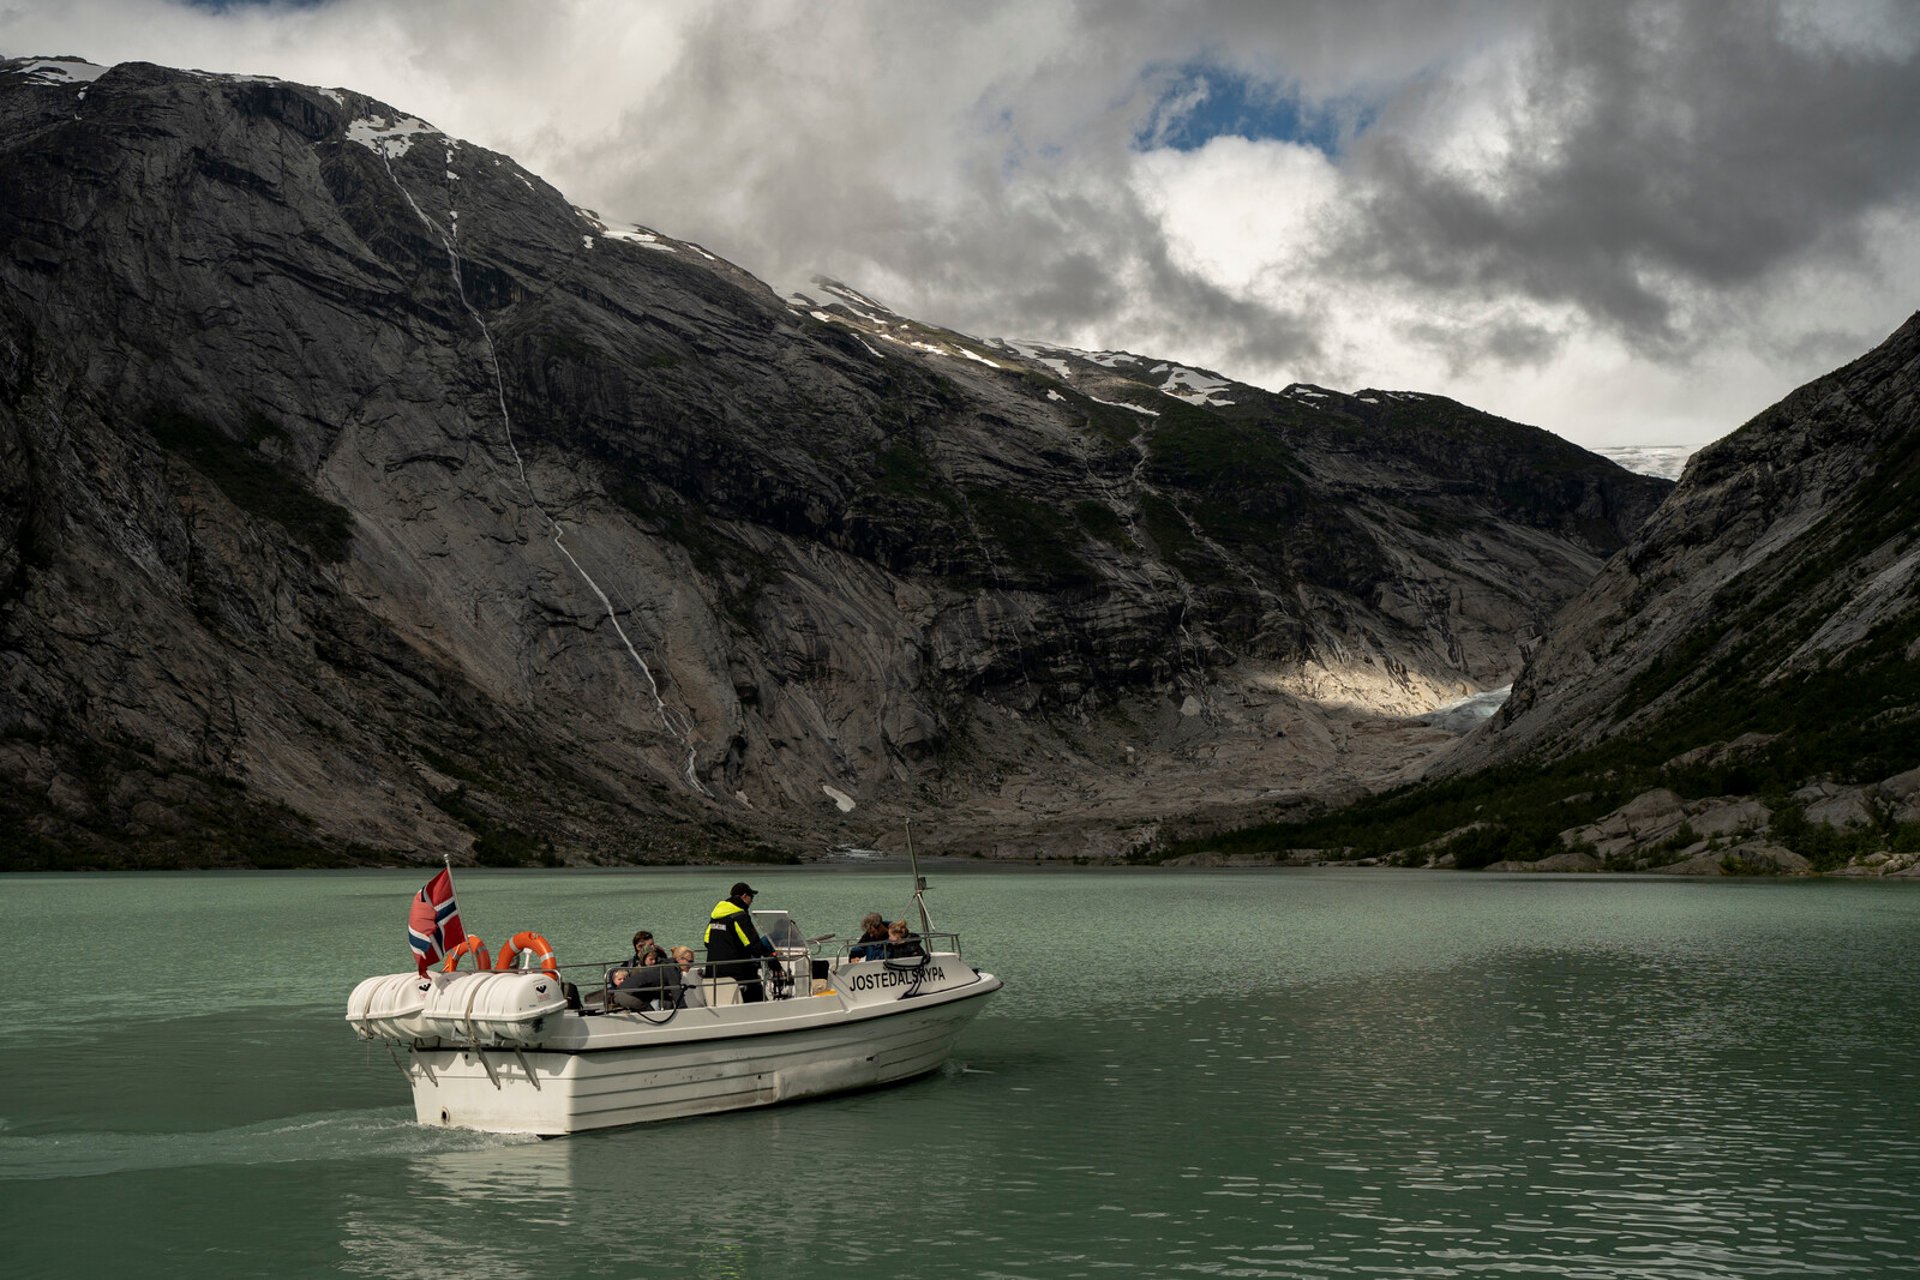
[364, 498]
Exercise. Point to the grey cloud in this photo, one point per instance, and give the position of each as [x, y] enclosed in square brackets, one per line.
[1003, 208]
[1670, 154]
[1463, 344]
[1821, 347]
[1078, 290]
[1077, 265]
[1667, 151]
[1519, 344]
[1681, 168]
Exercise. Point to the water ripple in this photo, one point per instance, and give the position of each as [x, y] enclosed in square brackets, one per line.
[1319, 1075]
[388, 1134]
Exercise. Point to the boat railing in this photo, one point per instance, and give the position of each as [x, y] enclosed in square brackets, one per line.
[667, 980]
[936, 943]
[585, 982]
[713, 989]
[594, 984]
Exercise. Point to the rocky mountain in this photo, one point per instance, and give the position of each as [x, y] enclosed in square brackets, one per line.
[1755, 651]
[363, 499]
[1790, 548]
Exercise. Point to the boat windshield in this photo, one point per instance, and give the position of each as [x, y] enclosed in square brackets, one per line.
[778, 928]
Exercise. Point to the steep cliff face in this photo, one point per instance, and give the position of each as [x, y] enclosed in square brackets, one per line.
[1773, 602]
[364, 498]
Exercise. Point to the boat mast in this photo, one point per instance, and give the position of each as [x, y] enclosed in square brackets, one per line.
[919, 883]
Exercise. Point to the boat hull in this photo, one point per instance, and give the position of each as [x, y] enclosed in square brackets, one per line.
[613, 1070]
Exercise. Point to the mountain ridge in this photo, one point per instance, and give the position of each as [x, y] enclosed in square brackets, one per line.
[370, 501]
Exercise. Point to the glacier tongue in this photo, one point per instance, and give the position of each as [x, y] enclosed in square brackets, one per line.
[1666, 461]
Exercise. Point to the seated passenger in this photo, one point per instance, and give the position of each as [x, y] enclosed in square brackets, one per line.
[902, 945]
[647, 951]
[873, 938]
[646, 987]
[690, 979]
[648, 980]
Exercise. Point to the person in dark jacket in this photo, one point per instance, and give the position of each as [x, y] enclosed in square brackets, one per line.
[646, 951]
[873, 938]
[902, 945]
[649, 980]
[734, 947]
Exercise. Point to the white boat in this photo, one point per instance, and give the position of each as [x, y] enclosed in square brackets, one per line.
[509, 1052]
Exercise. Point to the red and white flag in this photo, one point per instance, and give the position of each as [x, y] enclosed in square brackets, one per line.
[433, 924]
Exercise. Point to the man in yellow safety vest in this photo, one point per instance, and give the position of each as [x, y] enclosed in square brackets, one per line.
[734, 946]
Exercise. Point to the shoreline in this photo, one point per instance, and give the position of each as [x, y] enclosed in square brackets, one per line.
[1193, 863]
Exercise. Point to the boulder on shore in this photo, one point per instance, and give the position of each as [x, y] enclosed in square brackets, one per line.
[1754, 858]
[1573, 860]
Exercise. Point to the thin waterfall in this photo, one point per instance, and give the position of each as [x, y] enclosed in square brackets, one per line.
[556, 530]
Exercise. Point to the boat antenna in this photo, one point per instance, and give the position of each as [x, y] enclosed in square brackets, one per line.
[919, 883]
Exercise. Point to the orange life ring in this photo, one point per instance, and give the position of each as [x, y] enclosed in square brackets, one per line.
[473, 944]
[527, 940]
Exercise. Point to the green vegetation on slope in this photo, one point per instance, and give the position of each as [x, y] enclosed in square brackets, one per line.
[211, 820]
[1241, 485]
[1037, 543]
[254, 483]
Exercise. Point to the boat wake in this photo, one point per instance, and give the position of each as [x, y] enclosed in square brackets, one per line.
[350, 1135]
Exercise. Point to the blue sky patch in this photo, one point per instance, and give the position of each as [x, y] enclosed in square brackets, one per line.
[222, 6]
[1201, 103]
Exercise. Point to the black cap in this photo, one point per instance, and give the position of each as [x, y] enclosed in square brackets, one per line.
[740, 887]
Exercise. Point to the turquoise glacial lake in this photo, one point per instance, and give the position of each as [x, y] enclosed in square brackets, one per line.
[1333, 1073]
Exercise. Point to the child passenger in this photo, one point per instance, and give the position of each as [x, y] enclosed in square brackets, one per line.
[900, 943]
[648, 980]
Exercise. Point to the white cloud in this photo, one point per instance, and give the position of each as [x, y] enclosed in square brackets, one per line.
[1243, 215]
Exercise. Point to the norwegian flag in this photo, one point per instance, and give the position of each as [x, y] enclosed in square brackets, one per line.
[433, 924]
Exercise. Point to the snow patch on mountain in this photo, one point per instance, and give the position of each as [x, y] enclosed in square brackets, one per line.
[387, 136]
[853, 296]
[831, 302]
[1043, 354]
[1122, 404]
[821, 293]
[1193, 386]
[627, 233]
[59, 71]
